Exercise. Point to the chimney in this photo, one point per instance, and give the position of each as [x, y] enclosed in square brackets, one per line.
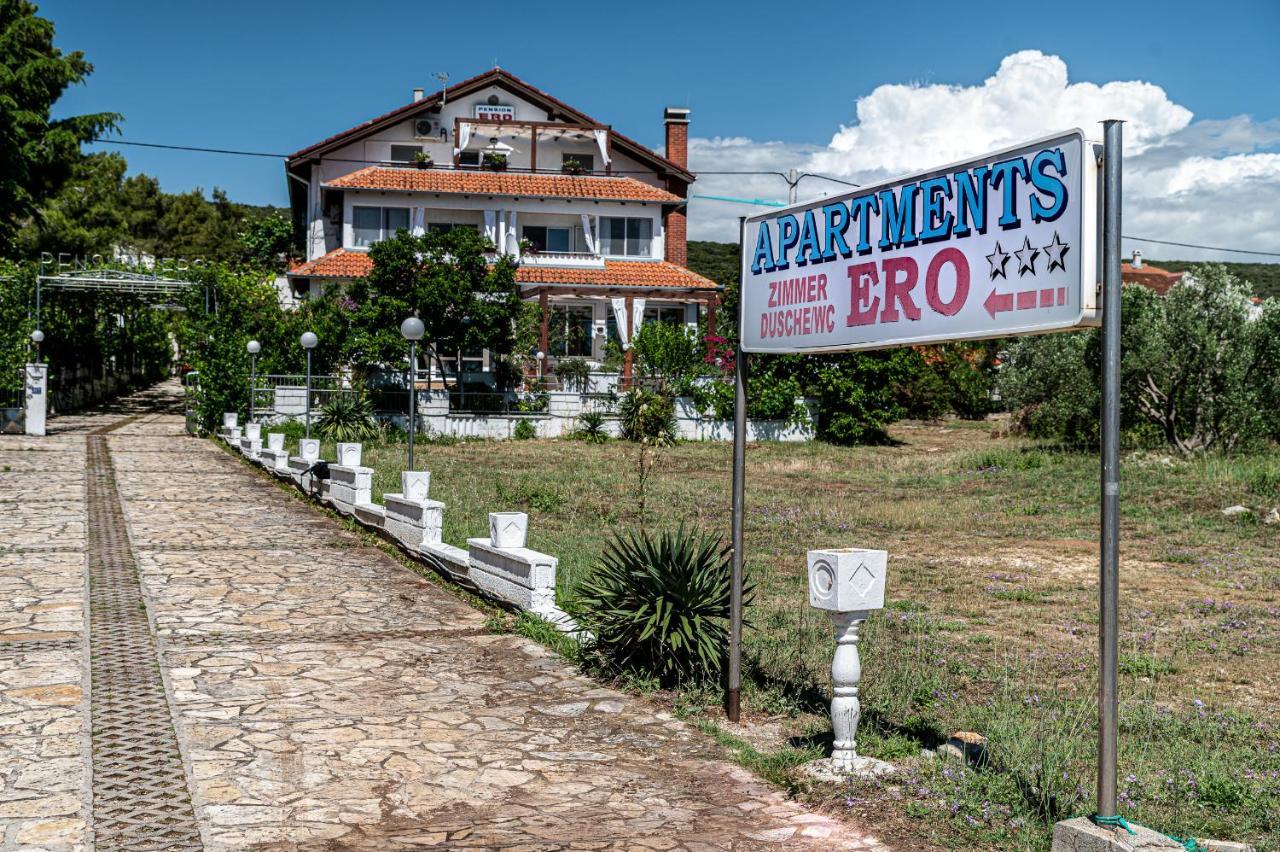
[677, 121]
[1137, 259]
[675, 223]
[417, 95]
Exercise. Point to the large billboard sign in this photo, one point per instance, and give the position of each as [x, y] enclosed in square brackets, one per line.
[1005, 244]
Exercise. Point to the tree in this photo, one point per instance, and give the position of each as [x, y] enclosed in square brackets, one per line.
[465, 302]
[37, 153]
[85, 216]
[266, 240]
[1198, 371]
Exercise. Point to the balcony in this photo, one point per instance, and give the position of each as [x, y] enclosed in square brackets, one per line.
[574, 259]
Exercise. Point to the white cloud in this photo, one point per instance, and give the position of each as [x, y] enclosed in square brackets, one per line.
[1207, 182]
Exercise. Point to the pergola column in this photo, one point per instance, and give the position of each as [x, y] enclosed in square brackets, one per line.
[544, 335]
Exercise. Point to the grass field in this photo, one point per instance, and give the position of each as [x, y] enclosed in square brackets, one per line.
[991, 617]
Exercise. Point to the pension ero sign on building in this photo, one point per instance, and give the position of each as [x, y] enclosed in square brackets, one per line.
[1002, 245]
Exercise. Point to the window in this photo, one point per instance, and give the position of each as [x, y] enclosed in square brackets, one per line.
[586, 161]
[446, 227]
[548, 239]
[670, 314]
[627, 237]
[371, 224]
[405, 153]
[469, 159]
[569, 331]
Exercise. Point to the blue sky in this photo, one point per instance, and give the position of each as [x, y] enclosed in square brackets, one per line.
[276, 76]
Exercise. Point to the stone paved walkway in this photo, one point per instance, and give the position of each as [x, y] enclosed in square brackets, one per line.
[321, 695]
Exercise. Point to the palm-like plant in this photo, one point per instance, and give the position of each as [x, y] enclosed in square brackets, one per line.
[347, 417]
[648, 417]
[591, 427]
[661, 605]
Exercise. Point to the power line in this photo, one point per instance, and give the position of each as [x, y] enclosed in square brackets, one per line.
[1206, 248]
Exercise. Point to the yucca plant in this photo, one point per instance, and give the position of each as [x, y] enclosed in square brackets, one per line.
[648, 417]
[347, 417]
[660, 606]
[591, 427]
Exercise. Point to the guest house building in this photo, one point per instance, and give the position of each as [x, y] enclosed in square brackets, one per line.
[596, 220]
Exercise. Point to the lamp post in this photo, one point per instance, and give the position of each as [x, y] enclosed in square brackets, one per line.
[412, 330]
[253, 347]
[541, 358]
[309, 341]
[37, 337]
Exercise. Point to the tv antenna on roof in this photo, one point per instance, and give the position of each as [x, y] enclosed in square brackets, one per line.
[443, 77]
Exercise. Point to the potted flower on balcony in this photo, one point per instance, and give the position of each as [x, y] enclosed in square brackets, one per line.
[495, 162]
[572, 166]
[527, 246]
[422, 160]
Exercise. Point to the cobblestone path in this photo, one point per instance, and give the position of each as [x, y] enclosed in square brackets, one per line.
[291, 688]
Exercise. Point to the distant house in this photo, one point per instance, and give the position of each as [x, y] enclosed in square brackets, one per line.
[1152, 277]
[596, 220]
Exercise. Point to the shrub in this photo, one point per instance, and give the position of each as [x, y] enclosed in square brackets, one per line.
[648, 417]
[573, 373]
[591, 428]
[524, 431]
[660, 606]
[347, 417]
[668, 352]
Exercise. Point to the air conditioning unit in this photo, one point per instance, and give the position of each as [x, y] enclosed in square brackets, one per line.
[428, 127]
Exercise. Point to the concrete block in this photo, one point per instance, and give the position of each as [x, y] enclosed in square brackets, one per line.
[253, 430]
[451, 559]
[309, 448]
[517, 575]
[415, 484]
[234, 435]
[349, 485]
[250, 447]
[349, 455]
[508, 529]
[230, 419]
[371, 515]
[1082, 835]
[274, 460]
[414, 523]
[847, 579]
[275, 441]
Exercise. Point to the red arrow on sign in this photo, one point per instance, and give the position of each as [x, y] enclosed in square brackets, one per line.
[998, 303]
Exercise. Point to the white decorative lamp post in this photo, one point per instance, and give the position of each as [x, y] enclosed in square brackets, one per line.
[253, 347]
[847, 584]
[37, 337]
[412, 330]
[309, 341]
[541, 358]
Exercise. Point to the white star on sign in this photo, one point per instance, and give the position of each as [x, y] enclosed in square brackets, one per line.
[1026, 257]
[1056, 251]
[998, 260]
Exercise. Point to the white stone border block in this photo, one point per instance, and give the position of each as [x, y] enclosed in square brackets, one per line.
[508, 529]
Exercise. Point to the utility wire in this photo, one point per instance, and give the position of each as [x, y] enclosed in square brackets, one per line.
[782, 175]
[1207, 248]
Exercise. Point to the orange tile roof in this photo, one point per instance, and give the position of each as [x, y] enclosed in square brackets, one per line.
[617, 273]
[341, 263]
[338, 263]
[1152, 277]
[457, 181]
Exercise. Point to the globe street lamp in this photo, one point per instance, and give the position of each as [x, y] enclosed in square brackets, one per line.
[37, 337]
[541, 358]
[309, 341]
[253, 347]
[412, 330]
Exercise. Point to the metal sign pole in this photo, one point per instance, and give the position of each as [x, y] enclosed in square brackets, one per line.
[734, 684]
[1109, 586]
